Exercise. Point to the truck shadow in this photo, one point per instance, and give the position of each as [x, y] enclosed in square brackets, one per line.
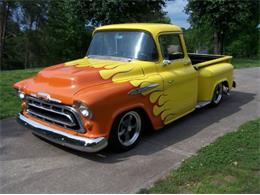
[184, 128]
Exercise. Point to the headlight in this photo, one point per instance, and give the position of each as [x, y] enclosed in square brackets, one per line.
[20, 94]
[84, 110]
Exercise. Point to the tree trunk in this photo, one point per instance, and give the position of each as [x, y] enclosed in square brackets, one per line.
[4, 17]
[27, 47]
[219, 42]
[216, 43]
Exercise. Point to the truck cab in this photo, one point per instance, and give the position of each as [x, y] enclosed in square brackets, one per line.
[132, 75]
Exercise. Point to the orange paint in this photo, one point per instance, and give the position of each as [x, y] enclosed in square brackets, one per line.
[105, 98]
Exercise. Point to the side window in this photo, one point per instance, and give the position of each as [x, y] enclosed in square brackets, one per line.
[171, 46]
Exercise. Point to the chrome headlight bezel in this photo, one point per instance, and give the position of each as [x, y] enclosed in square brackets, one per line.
[83, 109]
[20, 94]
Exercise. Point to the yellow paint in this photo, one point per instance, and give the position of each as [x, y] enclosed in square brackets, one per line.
[210, 76]
[154, 29]
[170, 101]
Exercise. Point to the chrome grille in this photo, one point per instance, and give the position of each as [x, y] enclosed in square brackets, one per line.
[55, 113]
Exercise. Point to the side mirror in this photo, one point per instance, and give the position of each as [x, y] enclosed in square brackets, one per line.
[166, 62]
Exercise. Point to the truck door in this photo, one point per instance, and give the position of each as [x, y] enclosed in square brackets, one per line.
[180, 78]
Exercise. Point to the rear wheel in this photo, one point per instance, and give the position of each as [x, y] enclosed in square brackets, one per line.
[126, 131]
[217, 96]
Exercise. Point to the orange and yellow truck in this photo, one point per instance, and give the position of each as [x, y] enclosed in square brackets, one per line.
[133, 75]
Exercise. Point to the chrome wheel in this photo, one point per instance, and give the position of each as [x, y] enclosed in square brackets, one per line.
[129, 128]
[218, 94]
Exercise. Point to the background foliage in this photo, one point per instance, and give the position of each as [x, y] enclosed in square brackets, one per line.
[43, 32]
[224, 26]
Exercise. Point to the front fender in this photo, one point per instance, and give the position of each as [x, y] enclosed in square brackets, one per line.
[110, 100]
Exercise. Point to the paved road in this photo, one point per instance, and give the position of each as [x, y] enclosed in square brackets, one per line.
[30, 165]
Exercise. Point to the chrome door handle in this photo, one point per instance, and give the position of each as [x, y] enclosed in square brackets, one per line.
[166, 62]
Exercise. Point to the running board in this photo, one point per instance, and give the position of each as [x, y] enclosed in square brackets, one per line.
[202, 104]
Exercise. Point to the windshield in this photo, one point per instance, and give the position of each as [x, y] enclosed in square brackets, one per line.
[123, 44]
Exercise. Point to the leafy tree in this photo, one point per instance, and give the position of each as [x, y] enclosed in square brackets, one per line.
[225, 17]
[199, 39]
[33, 17]
[122, 11]
[66, 31]
[6, 7]
[68, 21]
[44, 32]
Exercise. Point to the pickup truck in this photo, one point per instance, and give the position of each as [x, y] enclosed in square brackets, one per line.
[133, 76]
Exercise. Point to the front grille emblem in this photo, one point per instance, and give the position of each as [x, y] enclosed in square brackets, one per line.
[44, 96]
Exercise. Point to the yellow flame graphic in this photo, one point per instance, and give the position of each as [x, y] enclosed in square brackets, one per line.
[130, 72]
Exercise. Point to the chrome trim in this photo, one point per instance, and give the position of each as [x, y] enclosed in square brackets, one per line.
[47, 97]
[166, 62]
[202, 104]
[110, 58]
[143, 89]
[54, 100]
[72, 141]
[226, 90]
[53, 111]
[50, 119]
[63, 107]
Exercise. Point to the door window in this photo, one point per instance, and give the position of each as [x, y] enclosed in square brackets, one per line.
[171, 46]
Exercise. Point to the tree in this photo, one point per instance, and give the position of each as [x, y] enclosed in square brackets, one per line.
[122, 11]
[6, 7]
[66, 31]
[33, 14]
[39, 33]
[223, 16]
[198, 39]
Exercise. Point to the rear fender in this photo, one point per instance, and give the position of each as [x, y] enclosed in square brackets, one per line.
[223, 81]
[211, 76]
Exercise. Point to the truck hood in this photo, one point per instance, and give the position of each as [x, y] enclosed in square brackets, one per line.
[62, 82]
[72, 77]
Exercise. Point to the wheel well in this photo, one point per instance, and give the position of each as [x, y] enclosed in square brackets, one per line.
[147, 122]
[225, 83]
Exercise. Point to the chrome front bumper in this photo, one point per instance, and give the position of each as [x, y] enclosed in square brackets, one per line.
[72, 141]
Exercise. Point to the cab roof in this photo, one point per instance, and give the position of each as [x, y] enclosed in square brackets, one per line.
[154, 28]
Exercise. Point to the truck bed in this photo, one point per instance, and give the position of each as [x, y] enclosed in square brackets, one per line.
[202, 60]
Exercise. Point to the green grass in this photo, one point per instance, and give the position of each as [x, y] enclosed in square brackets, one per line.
[230, 165]
[245, 63]
[9, 102]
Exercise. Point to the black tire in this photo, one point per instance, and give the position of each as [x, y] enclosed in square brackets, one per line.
[217, 95]
[131, 123]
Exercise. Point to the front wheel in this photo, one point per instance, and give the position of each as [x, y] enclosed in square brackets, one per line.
[217, 96]
[126, 131]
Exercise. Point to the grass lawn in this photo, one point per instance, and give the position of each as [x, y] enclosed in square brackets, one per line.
[245, 63]
[229, 165]
[9, 102]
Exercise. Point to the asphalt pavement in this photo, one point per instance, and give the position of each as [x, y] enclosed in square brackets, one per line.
[29, 164]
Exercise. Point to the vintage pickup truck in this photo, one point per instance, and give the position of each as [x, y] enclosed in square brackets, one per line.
[133, 75]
